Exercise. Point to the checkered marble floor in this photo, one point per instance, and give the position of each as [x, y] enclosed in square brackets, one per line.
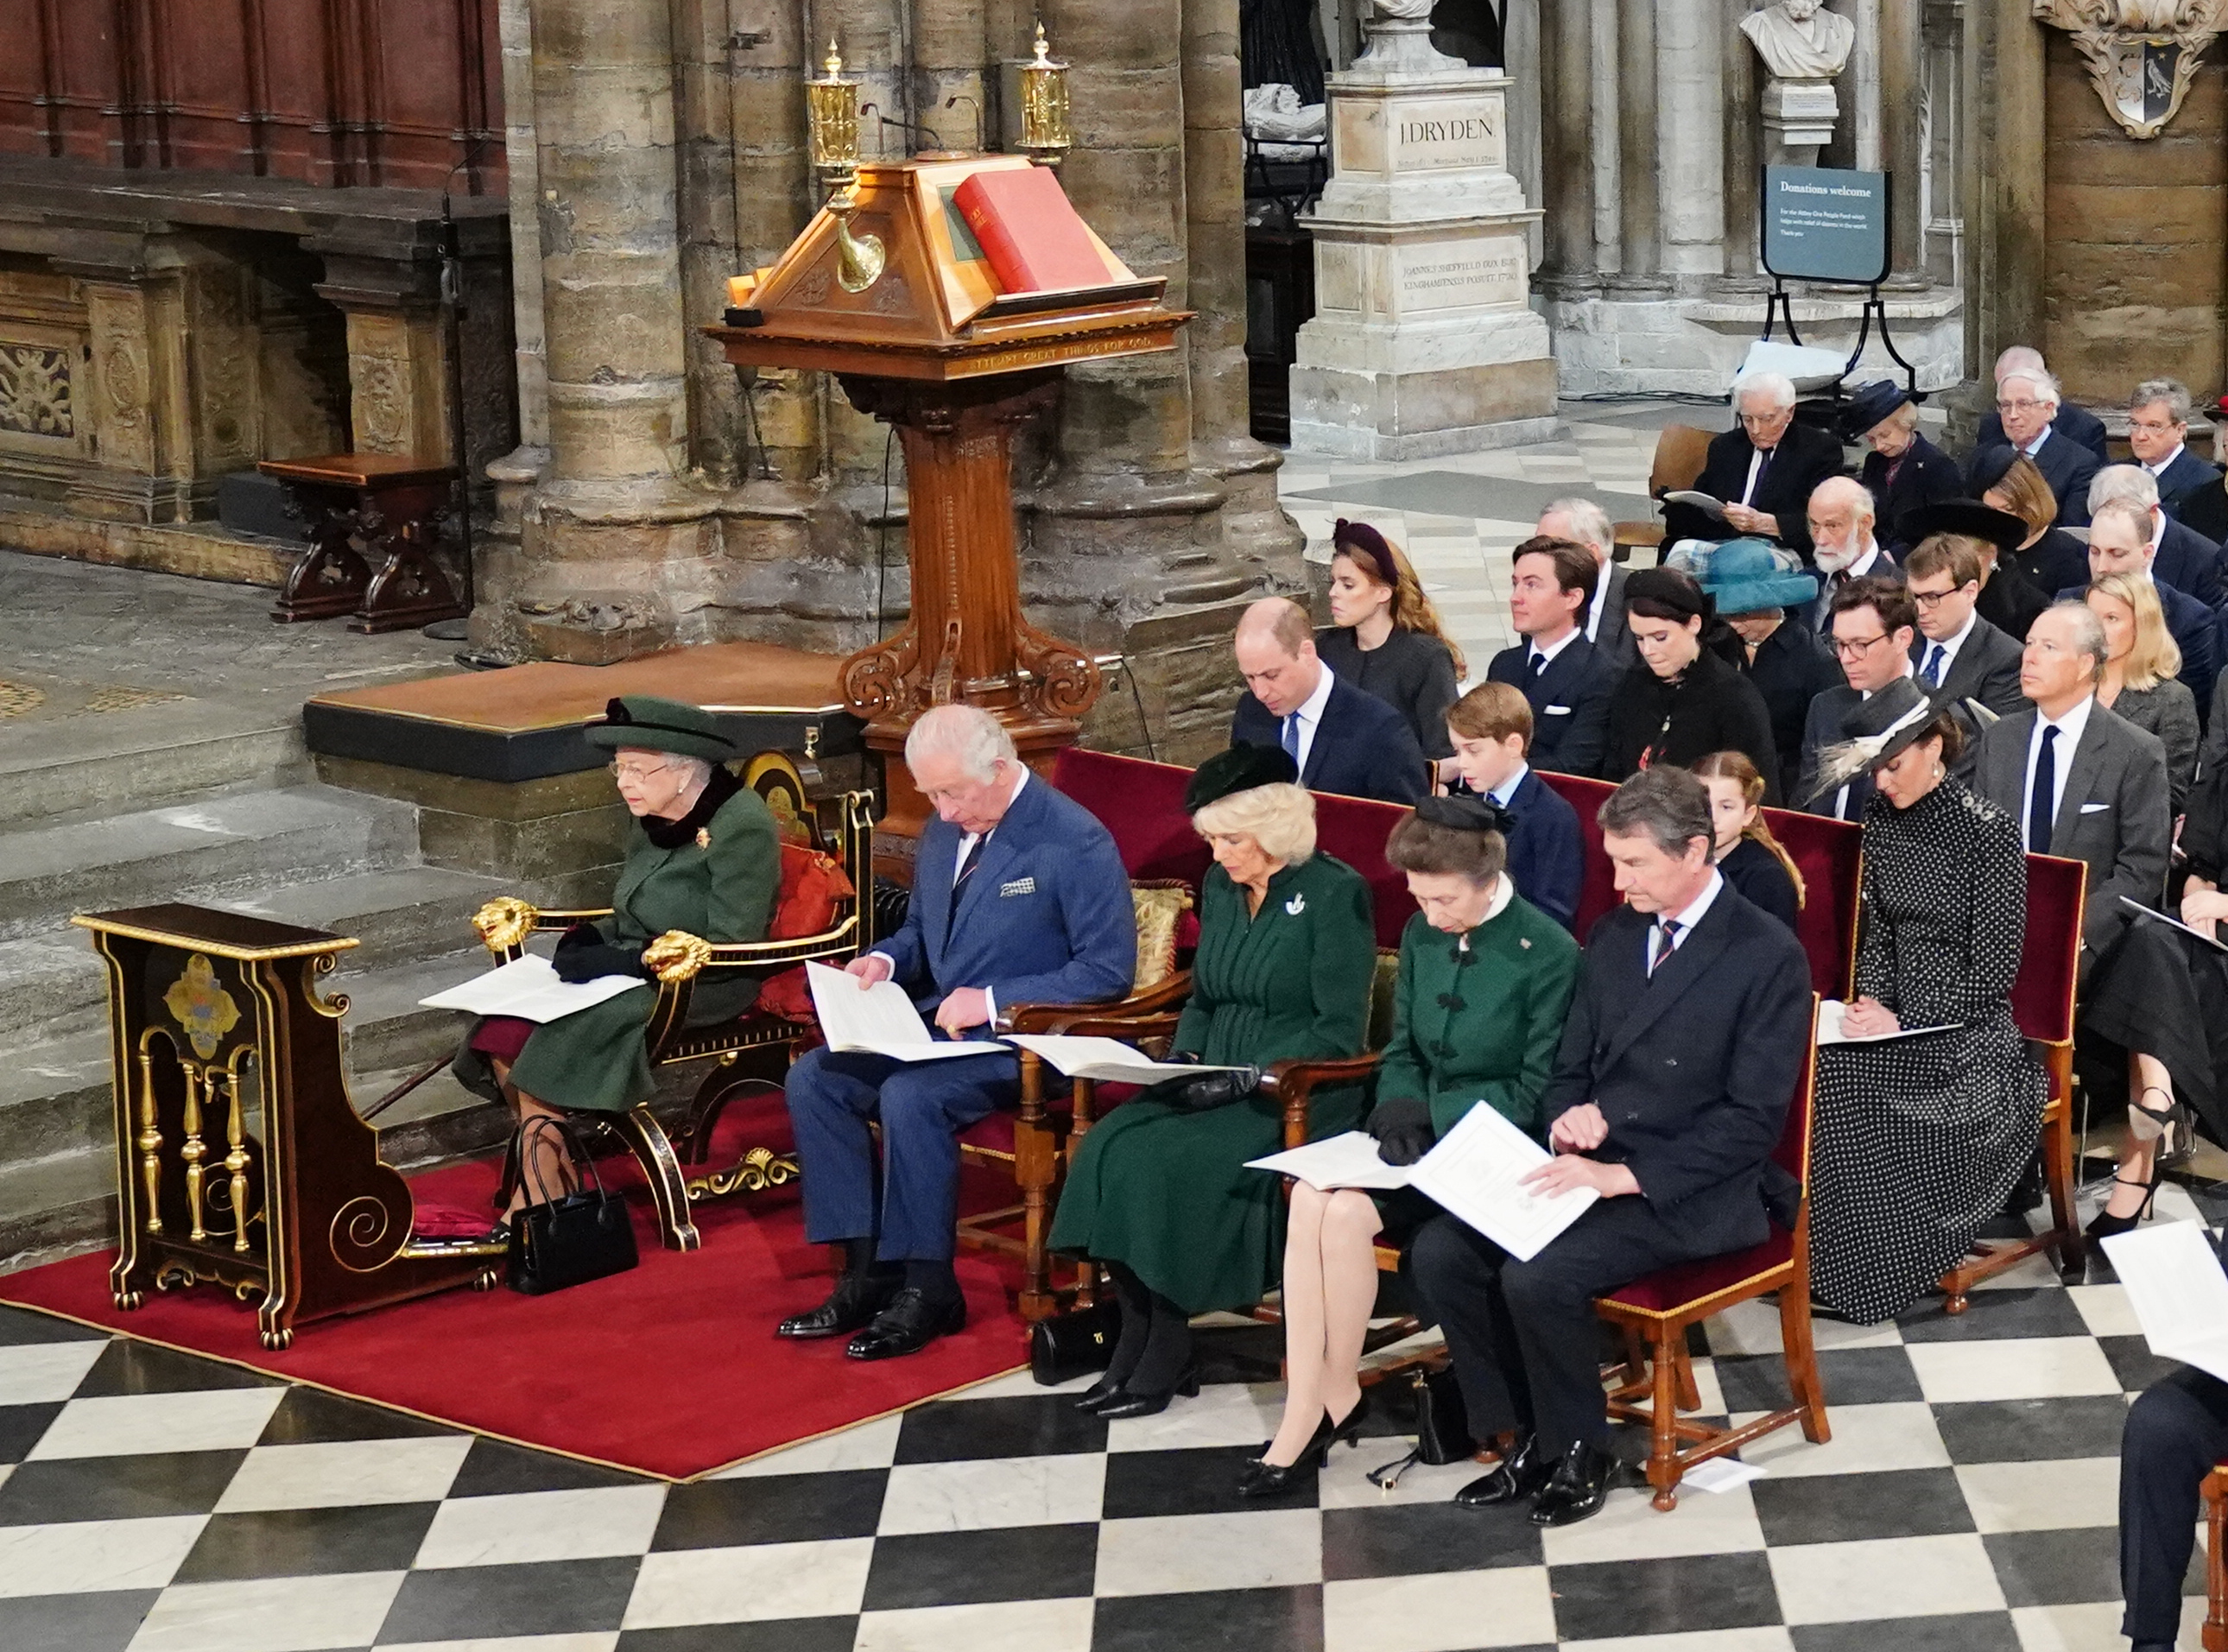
[159, 1502]
[1458, 518]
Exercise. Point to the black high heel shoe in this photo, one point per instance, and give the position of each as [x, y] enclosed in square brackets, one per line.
[1138, 1402]
[2103, 1225]
[1266, 1479]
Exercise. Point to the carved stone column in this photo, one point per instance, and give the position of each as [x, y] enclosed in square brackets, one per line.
[1902, 111]
[1567, 49]
[2002, 189]
[1640, 215]
[1742, 177]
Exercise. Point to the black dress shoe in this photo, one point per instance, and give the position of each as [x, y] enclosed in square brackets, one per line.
[1578, 1487]
[1138, 1402]
[1265, 1479]
[853, 1303]
[1522, 1471]
[1098, 1393]
[909, 1324]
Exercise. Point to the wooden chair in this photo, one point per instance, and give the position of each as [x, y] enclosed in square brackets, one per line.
[1680, 452]
[2042, 1004]
[505, 923]
[2215, 1489]
[1655, 1312]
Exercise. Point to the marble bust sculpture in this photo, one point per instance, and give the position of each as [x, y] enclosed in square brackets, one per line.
[1799, 39]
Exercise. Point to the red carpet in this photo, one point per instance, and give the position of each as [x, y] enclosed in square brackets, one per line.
[671, 1369]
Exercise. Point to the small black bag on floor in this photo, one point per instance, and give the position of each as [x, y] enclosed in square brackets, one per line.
[584, 1235]
[1442, 1425]
[1073, 1344]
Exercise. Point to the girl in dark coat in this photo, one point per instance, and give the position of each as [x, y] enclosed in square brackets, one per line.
[1682, 700]
[1748, 855]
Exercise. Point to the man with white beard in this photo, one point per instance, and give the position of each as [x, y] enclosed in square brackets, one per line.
[1843, 546]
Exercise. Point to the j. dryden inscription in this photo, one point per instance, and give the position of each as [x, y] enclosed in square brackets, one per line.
[1429, 136]
[1444, 278]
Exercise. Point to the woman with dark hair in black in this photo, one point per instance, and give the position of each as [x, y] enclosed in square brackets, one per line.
[1683, 700]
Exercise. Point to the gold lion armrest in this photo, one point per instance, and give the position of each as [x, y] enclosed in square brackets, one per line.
[504, 923]
[1294, 1083]
[1152, 1003]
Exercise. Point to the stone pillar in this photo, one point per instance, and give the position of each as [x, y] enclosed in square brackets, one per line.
[1742, 178]
[1566, 165]
[1902, 110]
[2002, 188]
[1640, 217]
[520, 164]
[1944, 24]
[615, 542]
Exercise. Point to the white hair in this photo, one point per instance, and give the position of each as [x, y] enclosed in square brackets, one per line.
[968, 733]
[2045, 384]
[1861, 497]
[2172, 393]
[1777, 386]
[2122, 483]
[1589, 523]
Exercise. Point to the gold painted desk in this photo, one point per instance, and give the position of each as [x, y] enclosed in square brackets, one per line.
[239, 1160]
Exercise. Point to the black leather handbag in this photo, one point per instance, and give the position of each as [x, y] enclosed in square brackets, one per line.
[1442, 1425]
[1204, 1091]
[1073, 1344]
[584, 1235]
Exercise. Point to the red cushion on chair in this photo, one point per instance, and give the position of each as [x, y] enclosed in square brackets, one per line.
[1667, 1290]
[813, 887]
[992, 1133]
[2042, 992]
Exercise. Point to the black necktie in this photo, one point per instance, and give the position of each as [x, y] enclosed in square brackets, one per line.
[1662, 944]
[1764, 466]
[967, 867]
[1539, 664]
[2039, 809]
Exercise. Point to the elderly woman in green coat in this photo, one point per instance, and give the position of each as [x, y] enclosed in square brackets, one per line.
[704, 858]
[1484, 986]
[1160, 1193]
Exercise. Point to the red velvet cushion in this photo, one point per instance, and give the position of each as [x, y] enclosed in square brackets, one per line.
[1669, 1289]
[813, 888]
[2042, 993]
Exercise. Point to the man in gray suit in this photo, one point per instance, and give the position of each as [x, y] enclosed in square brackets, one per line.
[1957, 651]
[2082, 783]
[1588, 524]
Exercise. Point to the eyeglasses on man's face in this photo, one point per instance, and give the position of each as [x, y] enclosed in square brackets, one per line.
[1930, 600]
[2010, 407]
[1855, 648]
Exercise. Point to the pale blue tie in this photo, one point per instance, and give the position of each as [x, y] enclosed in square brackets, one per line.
[1291, 741]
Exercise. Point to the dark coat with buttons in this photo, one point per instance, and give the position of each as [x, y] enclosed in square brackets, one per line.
[1693, 1068]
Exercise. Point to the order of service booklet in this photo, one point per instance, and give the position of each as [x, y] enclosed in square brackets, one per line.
[529, 988]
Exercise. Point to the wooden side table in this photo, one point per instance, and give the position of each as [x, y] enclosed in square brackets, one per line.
[370, 519]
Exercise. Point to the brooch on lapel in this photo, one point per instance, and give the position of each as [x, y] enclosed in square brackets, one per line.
[703, 837]
[1524, 941]
[1296, 905]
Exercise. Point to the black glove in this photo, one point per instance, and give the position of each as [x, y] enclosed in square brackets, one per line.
[1403, 1129]
[583, 954]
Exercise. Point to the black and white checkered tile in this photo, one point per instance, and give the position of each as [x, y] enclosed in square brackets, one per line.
[154, 1502]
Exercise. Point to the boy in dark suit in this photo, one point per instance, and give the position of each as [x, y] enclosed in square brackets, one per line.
[1686, 1038]
[1491, 728]
[1566, 680]
[1019, 896]
[1344, 739]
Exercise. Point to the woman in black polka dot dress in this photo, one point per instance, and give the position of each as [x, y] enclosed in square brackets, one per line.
[1919, 1140]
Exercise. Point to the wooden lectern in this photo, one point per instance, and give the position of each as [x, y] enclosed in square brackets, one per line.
[924, 341]
[239, 1161]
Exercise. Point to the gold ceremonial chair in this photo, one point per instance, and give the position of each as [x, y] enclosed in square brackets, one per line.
[681, 960]
[2042, 1004]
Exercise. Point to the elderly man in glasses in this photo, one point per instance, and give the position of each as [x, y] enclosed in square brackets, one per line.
[1763, 471]
[2027, 405]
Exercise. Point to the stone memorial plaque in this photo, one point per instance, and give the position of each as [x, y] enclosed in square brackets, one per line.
[1461, 275]
[1430, 134]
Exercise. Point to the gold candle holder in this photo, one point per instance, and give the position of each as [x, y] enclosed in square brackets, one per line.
[1045, 136]
[832, 107]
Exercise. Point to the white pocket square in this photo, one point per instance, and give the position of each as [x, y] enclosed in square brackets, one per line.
[2094, 808]
[1556, 711]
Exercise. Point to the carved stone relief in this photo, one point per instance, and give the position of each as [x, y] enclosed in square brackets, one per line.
[35, 391]
[124, 432]
[2143, 54]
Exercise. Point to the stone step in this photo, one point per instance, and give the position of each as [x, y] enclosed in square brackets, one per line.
[387, 1028]
[395, 916]
[156, 754]
[54, 1207]
[51, 986]
[231, 845]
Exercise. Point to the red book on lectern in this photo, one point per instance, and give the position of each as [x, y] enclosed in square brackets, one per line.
[1029, 232]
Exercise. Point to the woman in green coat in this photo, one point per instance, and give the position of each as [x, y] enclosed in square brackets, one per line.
[704, 858]
[1161, 1194]
[1476, 1018]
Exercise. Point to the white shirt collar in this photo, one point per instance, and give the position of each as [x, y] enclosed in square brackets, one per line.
[1698, 910]
[1863, 565]
[2035, 446]
[1501, 793]
[1949, 646]
[1310, 710]
[2070, 727]
[2160, 467]
[1549, 650]
[968, 842]
[1599, 605]
[2158, 530]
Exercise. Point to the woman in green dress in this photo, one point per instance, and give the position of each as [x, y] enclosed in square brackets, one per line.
[1160, 1193]
[1475, 1019]
[703, 859]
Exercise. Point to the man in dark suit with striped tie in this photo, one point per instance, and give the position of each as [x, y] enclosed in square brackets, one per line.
[1567, 680]
[1344, 739]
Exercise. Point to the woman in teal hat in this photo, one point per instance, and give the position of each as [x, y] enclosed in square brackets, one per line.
[704, 858]
[1789, 664]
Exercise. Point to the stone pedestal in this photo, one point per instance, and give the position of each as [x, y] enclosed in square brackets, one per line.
[1798, 119]
[1422, 342]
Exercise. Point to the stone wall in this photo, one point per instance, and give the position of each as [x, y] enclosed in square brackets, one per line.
[1147, 516]
[2135, 282]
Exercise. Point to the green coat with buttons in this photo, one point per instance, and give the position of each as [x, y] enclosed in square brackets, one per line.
[1478, 1016]
[719, 886]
